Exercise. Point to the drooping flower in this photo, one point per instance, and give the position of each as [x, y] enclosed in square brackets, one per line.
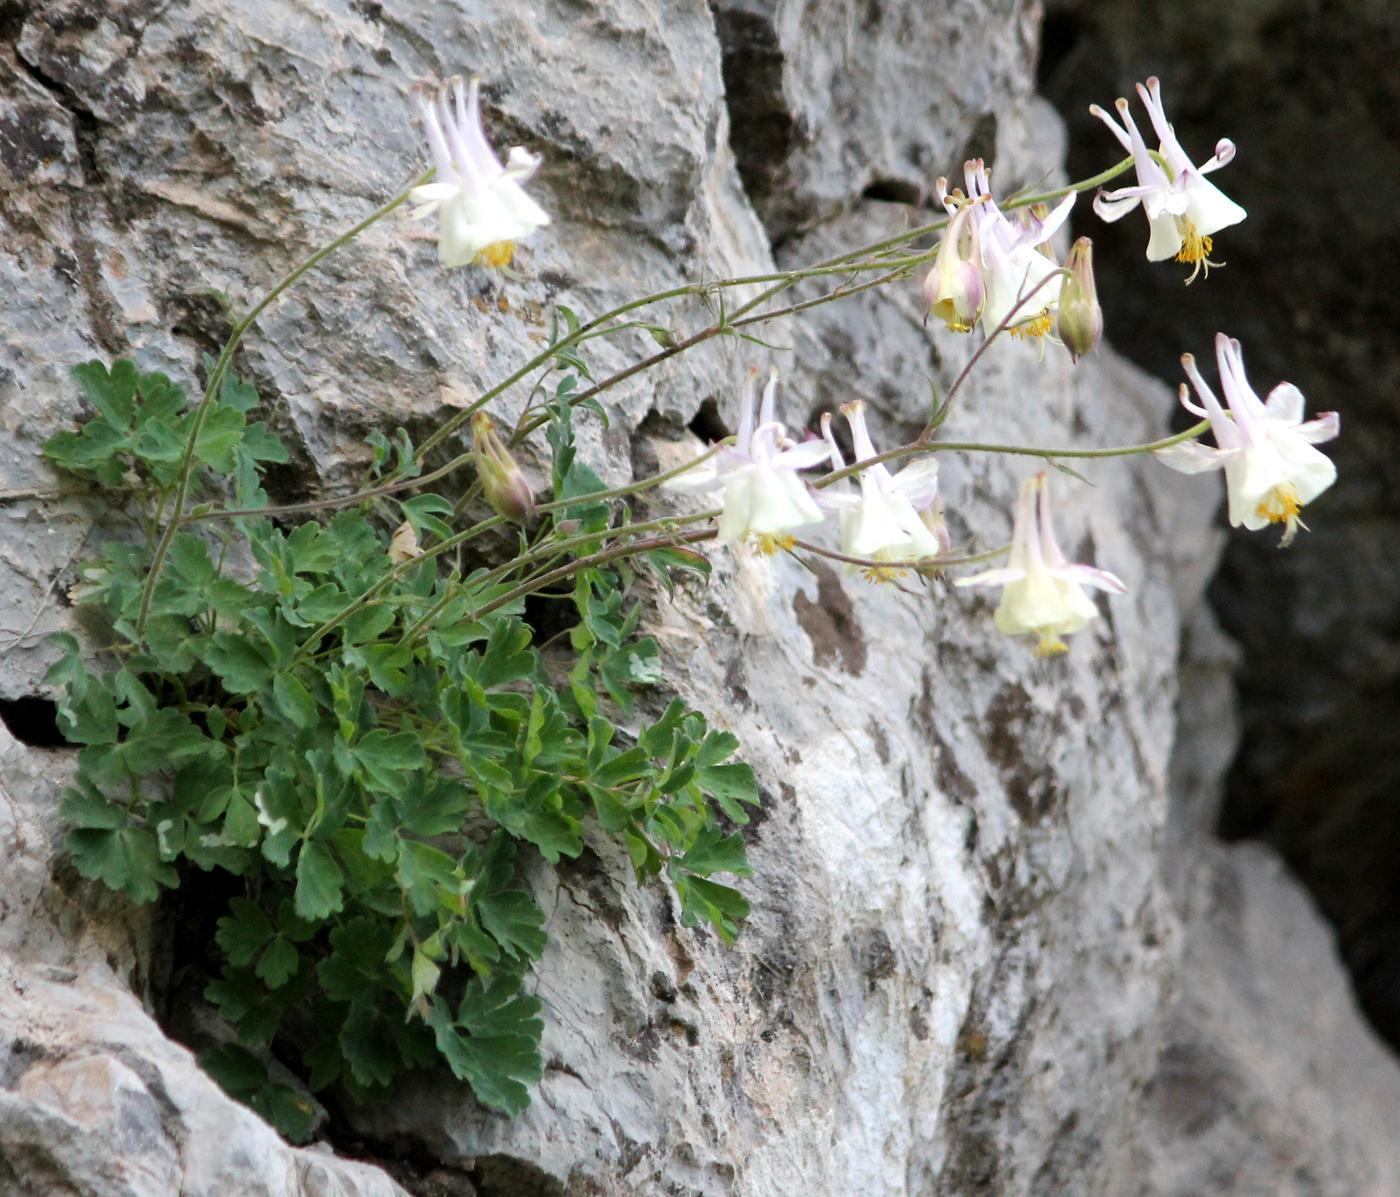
[1019, 281]
[1265, 447]
[1080, 322]
[1043, 594]
[887, 520]
[503, 483]
[764, 499]
[953, 289]
[482, 209]
[1184, 209]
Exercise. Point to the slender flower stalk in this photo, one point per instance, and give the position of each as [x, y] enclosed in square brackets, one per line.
[764, 499]
[1265, 447]
[1043, 594]
[1184, 209]
[481, 207]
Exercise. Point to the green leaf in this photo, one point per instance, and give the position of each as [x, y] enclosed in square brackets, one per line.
[428, 876]
[713, 852]
[239, 662]
[125, 858]
[279, 963]
[294, 700]
[244, 931]
[112, 393]
[219, 435]
[367, 1047]
[244, 1077]
[709, 902]
[386, 756]
[730, 786]
[493, 1043]
[319, 882]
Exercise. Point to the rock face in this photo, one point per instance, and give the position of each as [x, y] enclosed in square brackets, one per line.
[977, 889]
[1307, 291]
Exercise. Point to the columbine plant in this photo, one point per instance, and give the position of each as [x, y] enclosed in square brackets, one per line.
[764, 499]
[355, 733]
[897, 517]
[1042, 593]
[1184, 209]
[481, 208]
[1265, 447]
[1020, 283]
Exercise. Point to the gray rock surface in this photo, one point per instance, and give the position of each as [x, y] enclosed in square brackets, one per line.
[1307, 289]
[972, 888]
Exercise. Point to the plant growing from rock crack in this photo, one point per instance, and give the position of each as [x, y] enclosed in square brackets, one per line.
[339, 705]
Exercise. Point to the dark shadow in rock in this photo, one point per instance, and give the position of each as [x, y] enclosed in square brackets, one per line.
[1311, 97]
[33, 721]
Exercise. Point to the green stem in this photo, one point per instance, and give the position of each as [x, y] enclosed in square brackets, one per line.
[919, 446]
[916, 565]
[216, 377]
[548, 547]
[781, 280]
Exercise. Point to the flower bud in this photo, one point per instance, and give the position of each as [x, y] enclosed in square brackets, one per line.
[502, 481]
[1080, 324]
[953, 290]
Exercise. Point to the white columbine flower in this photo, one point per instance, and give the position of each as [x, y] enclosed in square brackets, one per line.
[482, 210]
[1183, 208]
[1266, 450]
[953, 288]
[896, 517]
[764, 499]
[1043, 593]
[1013, 267]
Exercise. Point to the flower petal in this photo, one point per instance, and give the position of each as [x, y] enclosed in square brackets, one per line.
[1087, 575]
[992, 577]
[1192, 457]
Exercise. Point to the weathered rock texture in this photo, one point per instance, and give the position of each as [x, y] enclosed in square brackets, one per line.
[976, 890]
[1308, 289]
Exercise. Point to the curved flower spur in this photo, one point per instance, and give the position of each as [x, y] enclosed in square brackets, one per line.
[764, 499]
[481, 208]
[1265, 447]
[1043, 594]
[1184, 209]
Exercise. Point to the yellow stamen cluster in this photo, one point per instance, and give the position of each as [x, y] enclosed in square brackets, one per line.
[769, 543]
[1281, 506]
[1195, 248]
[498, 254]
[1037, 326]
[946, 311]
[882, 573]
[1050, 645]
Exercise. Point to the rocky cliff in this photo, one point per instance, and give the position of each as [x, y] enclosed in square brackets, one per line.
[995, 948]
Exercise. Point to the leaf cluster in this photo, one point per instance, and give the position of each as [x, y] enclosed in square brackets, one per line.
[375, 766]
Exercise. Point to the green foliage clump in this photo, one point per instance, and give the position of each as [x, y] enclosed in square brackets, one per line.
[372, 746]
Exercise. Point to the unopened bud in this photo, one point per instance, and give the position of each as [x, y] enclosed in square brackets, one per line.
[502, 481]
[954, 290]
[1080, 324]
